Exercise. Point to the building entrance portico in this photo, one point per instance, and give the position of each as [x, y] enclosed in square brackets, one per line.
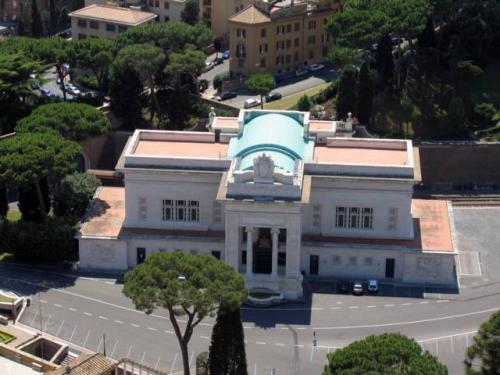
[262, 250]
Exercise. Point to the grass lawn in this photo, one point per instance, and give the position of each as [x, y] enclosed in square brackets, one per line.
[289, 101]
[5, 338]
[13, 215]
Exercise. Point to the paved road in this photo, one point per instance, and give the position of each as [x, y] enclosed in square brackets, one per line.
[289, 87]
[80, 310]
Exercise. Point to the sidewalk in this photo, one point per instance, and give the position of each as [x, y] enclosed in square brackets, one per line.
[21, 336]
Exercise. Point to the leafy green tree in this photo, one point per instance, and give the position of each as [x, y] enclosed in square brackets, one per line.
[4, 203]
[184, 66]
[148, 62]
[365, 95]
[346, 97]
[30, 158]
[127, 97]
[260, 84]
[388, 354]
[457, 119]
[304, 103]
[184, 284]
[219, 79]
[75, 121]
[191, 12]
[95, 54]
[227, 349]
[483, 356]
[15, 92]
[73, 194]
[384, 59]
[343, 56]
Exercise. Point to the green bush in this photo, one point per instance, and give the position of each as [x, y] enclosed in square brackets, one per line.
[304, 103]
[88, 81]
[74, 193]
[50, 241]
[486, 111]
[202, 363]
[220, 78]
[327, 93]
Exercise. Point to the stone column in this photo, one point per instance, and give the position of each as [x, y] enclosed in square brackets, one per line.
[275, 232]
[249, 251]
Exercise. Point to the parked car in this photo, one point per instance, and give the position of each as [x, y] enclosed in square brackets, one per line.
[301, 72]
[209, 65]
[72, 89]
[226, 54]
[45, 91]
[35, 85]
[251, 102]
[342, 287]
[272, 96]
[372, 286]
[226, 95]
[357, 288]
[202, 85]
[218, 61]
[315, 67]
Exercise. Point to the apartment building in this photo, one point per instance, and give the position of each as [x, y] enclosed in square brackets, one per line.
[279, 36]
[106, 21]
[216, 13]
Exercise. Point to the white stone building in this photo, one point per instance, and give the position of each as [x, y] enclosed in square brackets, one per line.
[277, 196]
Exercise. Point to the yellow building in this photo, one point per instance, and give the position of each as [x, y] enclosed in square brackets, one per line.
[215, 14]
[279, 36]
[106, 21]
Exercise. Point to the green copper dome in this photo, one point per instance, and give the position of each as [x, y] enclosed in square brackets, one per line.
[275, 134]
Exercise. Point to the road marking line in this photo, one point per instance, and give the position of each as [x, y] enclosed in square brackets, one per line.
[300, 328]
[407, 304]
[279, 344]
[86, 338]
[118, 321]
[57, 305]
[135, 325]
[46, 323]
[191, 359]
[109, 282]
[335, 308]
[354, 307]
[442, 301]
[466, 334]
[143, 356]
[102, 317]
[423, 303]
[34, 317]
[312, 354]
[371, 306]
[114, 348]
[451, 344]
[317, 308]
[157, 362]
[99, 346]
[43, 301]
[299, 345]
[129, 351]
[260, 342]
[152, 329]
[205, 337]
[169, 332]
[59, 330]
[412, 322]
[87, 313]
[72, 334]
[389, 305]
[72, 309]
[248, 327]
[173, 364]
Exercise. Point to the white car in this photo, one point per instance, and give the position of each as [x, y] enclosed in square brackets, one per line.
[315, 67]
[72, 89]
[301, 72]
[357, 288]
[373, 286]
[209, 65]
[252, 102]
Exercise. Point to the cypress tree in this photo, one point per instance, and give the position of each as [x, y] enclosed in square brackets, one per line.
[384, 58]
[365, 95]
[346, 98]
[4, 203]
[36, 20]
[227, 349]
[428, 37]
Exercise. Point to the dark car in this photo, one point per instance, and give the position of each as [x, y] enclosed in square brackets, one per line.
[342, 287]
[203, 85]
[226, 95]
[35, 85]
[272, 96]
[226, 55]
[218, 61]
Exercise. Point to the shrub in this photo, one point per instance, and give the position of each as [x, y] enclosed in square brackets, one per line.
[50, 241]
[486, 111]
[74, 193]
[220, 78]
[202, 363]
[88, 81]
[327, 93]
[304, 103]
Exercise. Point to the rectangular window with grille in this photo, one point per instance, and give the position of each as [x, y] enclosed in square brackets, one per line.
[354, 217]
[341, 217]
[367, 218]
[181, 210]
[143, 213]
[393, 218]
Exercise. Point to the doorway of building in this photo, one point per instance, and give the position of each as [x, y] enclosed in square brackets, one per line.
[313, 264]
[390, 264]
[141, 255]
[262, 252]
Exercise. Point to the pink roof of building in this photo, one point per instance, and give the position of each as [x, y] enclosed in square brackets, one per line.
[251, 15]
[315, 126]
[432, 230]
[182, 149]
[112, 13]
[105, 214]
[229, 122]
[360, 155]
